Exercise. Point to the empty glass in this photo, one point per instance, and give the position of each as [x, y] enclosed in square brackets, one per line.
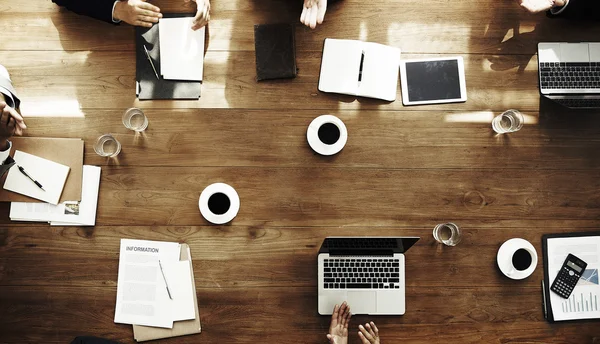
[447, 234]
[507, 122]
[107, 146]
[134, 119]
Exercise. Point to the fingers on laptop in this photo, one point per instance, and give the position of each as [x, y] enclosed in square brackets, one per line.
[369, 333]
[344, 315]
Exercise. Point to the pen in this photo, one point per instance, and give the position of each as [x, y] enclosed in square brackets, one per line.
[151, 63]
[28, 176]
[164, 278]
[544, 300]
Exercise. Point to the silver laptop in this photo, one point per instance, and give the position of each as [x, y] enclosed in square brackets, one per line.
[569, 73]
[367, 272]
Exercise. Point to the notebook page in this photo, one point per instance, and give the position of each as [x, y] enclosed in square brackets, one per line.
[51, 175]
[381, 67]
[340, 66]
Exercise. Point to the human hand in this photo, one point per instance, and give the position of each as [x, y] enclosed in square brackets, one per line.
[11, 123]
[369, 334]
[338, 329]
[202, 13]
[313, 12]
[535, 6]
[137, 12]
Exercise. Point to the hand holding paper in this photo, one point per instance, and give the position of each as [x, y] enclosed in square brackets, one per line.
[202, 14]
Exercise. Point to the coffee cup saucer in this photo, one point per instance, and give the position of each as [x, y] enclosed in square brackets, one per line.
[504, 258]
[312, 135]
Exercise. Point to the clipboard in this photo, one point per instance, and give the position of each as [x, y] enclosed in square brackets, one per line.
[147, 85]
[546, 281]
[180, 328]
[68, 152]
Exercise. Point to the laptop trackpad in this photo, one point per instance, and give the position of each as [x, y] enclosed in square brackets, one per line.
[362, 302]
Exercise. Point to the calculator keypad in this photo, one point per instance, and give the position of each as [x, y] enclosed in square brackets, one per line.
[565, 282]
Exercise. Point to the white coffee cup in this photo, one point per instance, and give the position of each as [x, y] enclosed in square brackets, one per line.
[219, 203]
[327, 135]
[517, 258]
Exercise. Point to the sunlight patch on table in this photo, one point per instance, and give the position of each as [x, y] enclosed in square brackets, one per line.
[447, 34]
[52, 108]
[481, 117]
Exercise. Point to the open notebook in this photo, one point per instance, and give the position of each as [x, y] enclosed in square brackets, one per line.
[359, 68]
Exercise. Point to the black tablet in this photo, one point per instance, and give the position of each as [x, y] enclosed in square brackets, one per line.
[433, 81]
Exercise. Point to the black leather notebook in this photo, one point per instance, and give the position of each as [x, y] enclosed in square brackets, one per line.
[148, 86]
[275, 51]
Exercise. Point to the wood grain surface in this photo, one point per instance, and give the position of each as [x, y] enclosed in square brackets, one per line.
[403, 170]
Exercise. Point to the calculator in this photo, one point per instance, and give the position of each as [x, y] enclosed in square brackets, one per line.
[568, 276]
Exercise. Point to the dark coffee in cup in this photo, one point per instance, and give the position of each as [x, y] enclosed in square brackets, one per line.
[521, 259]
[219, 203]
[329, 133]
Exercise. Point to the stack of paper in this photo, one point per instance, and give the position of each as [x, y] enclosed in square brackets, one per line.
[155, 288]
[69, 213]
[181, 49]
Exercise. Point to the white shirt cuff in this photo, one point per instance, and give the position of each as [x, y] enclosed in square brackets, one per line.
[8, 97]
[558, 10]
[113, 13]
[6, 153]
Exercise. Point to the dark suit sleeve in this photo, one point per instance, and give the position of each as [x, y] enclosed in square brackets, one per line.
[581, 9]
[99, 9]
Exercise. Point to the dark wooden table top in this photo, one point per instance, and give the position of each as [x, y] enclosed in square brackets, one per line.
[403, 170]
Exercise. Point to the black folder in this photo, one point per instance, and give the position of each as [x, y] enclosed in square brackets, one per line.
[147, 85]
[546, 282]
[275, 51]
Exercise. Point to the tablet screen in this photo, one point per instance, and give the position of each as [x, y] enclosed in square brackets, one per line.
[433, 80]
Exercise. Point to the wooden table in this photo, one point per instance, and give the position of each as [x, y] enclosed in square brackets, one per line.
[403, 170]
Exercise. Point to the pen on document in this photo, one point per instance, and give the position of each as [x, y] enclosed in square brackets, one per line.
[150, 60]
[28, 176]
[164, 278]
[360, 68]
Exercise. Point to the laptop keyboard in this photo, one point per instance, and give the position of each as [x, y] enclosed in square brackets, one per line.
[372, 273]
[564, 75]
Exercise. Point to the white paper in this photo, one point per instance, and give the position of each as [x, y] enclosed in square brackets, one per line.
[50, 174]
[340, 67]
[179, 279]
[584, 302]
[181, 49]
[142, 297]
[380, 71]
[67, 213]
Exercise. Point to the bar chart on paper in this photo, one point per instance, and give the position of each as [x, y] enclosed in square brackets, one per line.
[580, 303]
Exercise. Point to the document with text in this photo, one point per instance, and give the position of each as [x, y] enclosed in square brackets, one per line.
[142, 296]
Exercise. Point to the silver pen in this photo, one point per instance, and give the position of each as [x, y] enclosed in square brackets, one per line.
[150, 59]
[164, 278]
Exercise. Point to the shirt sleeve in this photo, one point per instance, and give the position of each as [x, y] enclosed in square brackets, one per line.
[6, 153]
[116, 21]
[8, 97]
[99, 9]
[558, 10]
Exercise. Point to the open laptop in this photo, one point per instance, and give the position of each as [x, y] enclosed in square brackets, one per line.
[367, 272]
[569, 73]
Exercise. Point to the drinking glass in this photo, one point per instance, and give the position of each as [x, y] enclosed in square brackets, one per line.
[134, 119]
[447, 234]
[508, 122]
[107, 146]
